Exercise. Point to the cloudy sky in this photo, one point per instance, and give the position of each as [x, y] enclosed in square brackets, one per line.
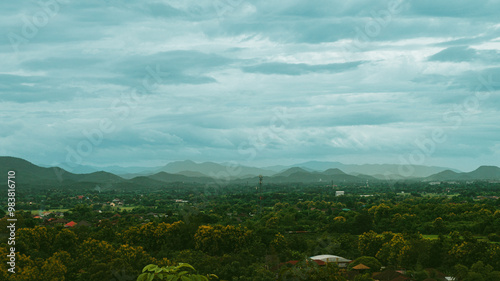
[256, 82]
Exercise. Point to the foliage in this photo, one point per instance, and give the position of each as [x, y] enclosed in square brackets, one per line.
[371, 262]
[238, 236]
[172, 273]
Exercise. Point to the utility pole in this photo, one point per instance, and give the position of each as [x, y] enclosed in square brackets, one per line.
[260, 193]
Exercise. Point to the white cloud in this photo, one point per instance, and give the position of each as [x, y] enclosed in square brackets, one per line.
[67, 78]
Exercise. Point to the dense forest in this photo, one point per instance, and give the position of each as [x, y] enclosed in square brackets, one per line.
[423, 231]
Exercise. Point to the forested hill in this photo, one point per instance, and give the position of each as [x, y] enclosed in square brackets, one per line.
[481, 173]
[30, 174]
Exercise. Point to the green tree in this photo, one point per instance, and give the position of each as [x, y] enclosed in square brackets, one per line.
[180, 272]
[371, 262]
[439, 226]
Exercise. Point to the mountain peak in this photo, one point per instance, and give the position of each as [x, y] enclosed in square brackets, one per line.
[291, 171]
[334, 171]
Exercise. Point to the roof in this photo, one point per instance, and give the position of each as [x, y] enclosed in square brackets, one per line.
[84, 223]
[389, 275]
[360, 267]
[63, 221]
[330, 258]
[70, 224]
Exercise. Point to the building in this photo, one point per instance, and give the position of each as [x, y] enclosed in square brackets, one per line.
[70, 224]
[340, 261]
[339, 193]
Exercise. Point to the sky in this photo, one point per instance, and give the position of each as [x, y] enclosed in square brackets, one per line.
[143, 83]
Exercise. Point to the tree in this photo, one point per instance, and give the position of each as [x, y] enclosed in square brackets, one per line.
[439, 226]
[363, 277]
[172, 273]
[65, 240]
[218, 239]
[371, 262]
[309, 270]
[394, 251]
[53, 269]
[369, 243]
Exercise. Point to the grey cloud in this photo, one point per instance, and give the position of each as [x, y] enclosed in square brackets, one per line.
[299, 69]
[455, 54]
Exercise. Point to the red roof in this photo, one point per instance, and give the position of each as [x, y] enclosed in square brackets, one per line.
[70, 224]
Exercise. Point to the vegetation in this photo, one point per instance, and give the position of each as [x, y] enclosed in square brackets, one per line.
[172, 273]
[238, 234]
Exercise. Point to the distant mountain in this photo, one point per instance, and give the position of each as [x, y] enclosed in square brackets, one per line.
[99, 177]
[29, 173]
[321, 165]
[117, 170]
[190, 168]
[210, 169]
[333, 172]
[447, 176]
[170, 178]
[190, 172]
[297, 174]
[486, 172]
[481, 173]
[291, 171]
[382, 171]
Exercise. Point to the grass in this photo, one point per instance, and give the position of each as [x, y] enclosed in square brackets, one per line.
[440, 195]
[37, 212]
[478, 237]
[431, 236]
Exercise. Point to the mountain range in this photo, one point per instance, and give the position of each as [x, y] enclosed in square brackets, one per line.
[210, 169]
[483, 172]
[208, 172]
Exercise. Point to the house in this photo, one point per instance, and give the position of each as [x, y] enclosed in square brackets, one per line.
[340, 261]
[339, 193]
[152, 215]
[70, 224]
[117, 202]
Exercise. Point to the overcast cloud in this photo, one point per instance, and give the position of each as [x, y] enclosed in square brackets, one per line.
[256, 82]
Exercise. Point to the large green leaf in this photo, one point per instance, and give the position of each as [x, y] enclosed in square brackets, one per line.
[185, 265]
[149, 267]
[143, 277]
